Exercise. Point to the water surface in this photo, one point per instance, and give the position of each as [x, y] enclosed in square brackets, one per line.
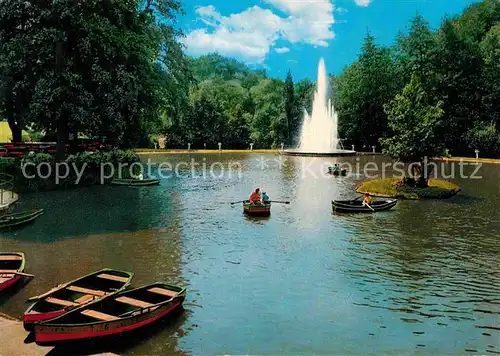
[421, 279]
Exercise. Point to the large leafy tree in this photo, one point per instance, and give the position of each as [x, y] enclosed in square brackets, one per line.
[98, 66]
[415, 121]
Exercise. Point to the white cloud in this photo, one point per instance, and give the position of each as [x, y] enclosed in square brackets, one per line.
[250, 34]
[282, 49]
[363, 3]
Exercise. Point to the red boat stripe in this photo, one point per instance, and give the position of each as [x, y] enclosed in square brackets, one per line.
[31, 318]
[10, 282]
[48, 337]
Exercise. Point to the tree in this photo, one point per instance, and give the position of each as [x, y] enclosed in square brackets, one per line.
[416, 52]
[97, 67]
[268, 120]
[290, 108]
[415, 122]
[361, 92]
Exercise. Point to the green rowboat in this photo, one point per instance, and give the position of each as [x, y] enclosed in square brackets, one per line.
[15, 220]
[135, 182]
[256, 209]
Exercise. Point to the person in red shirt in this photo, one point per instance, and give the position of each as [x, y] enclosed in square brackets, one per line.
[255, 197]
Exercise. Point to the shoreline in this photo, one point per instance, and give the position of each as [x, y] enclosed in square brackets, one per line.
[151, 151]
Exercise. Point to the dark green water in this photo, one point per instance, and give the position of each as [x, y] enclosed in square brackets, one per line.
[421, 279]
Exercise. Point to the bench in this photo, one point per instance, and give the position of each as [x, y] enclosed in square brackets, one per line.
[84, 299]
[98, 315]
[134, 302]
[98, 293]
[10, 258]
[162, 291]
[113, 278]
[64, 303]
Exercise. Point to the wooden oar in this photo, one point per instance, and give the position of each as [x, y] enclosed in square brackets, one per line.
[236, 202]
[3, 272]
[36, 297]
[277, 201]
[368, 205]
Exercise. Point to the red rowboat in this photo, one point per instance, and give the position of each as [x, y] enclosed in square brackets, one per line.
[10, 265]
[112, 315]
[81, 291]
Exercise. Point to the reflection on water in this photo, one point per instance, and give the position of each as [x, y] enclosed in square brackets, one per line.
[420, 279]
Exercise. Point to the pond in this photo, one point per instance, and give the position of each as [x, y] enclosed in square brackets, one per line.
[422, 278]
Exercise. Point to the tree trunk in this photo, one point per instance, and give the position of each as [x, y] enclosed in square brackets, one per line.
[62, 138]
[17, 132]
[423, 181]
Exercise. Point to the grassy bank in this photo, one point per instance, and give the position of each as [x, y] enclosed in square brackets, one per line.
[148, 151]
[471, 160]
[388, 188]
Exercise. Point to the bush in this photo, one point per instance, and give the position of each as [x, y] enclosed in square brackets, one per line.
[90, 162]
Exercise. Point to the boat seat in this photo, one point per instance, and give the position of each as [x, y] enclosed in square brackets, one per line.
[98, 315]
[112, 278]
[98, 293]
[62, 302]
[84, 299]
[162, 291]
[8, 271]
[10, 258]
[134, 302]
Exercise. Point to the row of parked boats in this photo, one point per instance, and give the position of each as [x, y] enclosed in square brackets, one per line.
[96, 305]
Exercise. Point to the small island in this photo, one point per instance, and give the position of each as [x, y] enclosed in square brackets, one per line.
[395, 187]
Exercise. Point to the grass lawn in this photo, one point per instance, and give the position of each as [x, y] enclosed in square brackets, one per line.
[386, 187]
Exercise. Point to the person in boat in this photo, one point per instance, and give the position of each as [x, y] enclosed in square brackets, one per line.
[367, 200]
[255, 197]
[265, 198]
[336, 167]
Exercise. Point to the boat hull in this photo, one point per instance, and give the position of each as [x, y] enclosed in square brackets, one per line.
[342, 172]
[17, 265]
[12, 221]
[49, 335]
[257, 209]
[135, 182]
[357, 207]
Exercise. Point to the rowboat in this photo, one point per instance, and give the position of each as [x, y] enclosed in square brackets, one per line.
[76, 293]
[135, 182]
[256, 209]
[113, 315]
[356, 206]
[14, 220]
[10, 263]
[342, 172]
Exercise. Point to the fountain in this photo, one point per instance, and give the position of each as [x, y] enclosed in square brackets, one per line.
[319, 136]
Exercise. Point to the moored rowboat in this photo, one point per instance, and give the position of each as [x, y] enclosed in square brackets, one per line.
[17, 219]
[256, 209]
[76, 293]
[10, 262]
[135, 182]
[122, 312]
[356, 206]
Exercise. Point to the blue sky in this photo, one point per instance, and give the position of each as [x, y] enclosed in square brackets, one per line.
[294, 34]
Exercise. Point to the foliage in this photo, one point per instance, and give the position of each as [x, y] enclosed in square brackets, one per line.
[104, 68]
[362, 90]
[91, 164]
[415, 121]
